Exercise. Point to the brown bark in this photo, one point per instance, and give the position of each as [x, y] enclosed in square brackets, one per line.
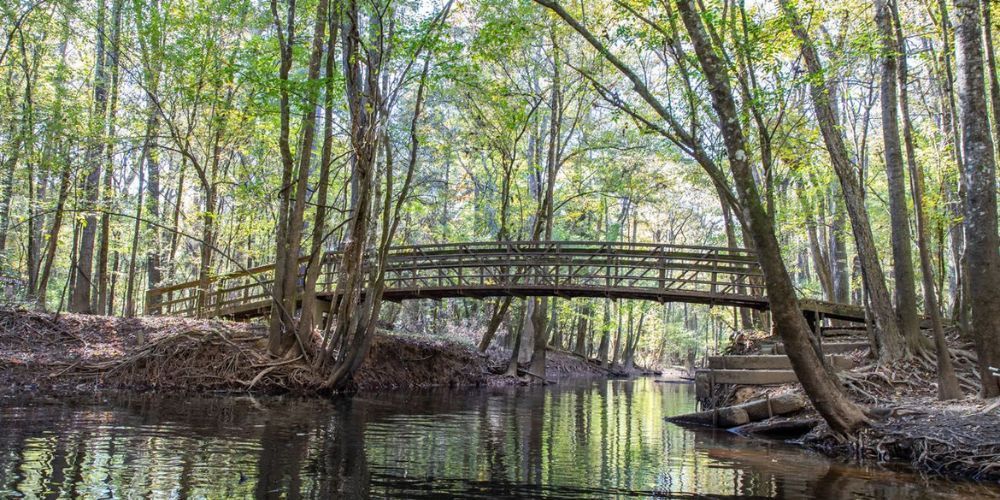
[308, 318]
[838, 250]
[107, 193]
[80, 295]
[581, 330]
[906, 292]
[295, 177]
[949, 123]
[948, 387]
[496, 317]
[6, 195]
[982, 241]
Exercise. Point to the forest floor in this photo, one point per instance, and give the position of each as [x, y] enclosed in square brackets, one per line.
[909, 427]
[76, 354]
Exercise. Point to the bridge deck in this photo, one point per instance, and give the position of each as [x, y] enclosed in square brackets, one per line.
[664, 273]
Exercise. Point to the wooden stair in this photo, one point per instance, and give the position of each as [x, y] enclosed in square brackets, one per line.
[770, 362]
[832, 347]
[761, 369]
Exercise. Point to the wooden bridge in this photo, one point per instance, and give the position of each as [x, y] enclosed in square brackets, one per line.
[659, 272]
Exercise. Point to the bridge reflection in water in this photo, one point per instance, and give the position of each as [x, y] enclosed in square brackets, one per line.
[605, 439]
[649, 271]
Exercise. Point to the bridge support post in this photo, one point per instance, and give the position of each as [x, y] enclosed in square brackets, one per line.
[320, 311]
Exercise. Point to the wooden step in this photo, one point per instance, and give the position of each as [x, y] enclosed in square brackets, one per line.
[770, 362]
[746, 377]
[833, 347]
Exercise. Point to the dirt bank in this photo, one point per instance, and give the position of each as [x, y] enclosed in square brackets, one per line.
[909, 427]
[74, 354]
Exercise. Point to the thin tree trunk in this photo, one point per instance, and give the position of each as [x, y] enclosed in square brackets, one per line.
[6, 195]
[295, 178]
[107, 195]
[80, 295]
[890, 342]
[950, 123]
[53, 241]
[309, 316]
[906, 288]
[948, 387]
[129, 310]
[496, 317]
[581, 330]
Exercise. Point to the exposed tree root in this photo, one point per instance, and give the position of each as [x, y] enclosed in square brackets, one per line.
[74, 354]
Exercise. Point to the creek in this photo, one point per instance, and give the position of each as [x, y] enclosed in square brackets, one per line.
[582, 439]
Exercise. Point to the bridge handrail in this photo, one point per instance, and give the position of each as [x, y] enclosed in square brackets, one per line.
[407, 250]
[491, 263]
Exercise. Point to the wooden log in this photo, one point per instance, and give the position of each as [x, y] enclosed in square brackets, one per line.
[742, 414]
[778, 428]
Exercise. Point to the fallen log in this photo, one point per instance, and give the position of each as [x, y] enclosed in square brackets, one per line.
[778, 428]
[742, 414]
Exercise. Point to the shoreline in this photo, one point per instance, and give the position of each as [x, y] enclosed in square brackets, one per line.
[66, 356]
[69, 354]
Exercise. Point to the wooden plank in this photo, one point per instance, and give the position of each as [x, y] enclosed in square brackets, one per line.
[751, 377]
[770, 362]
[833, 347]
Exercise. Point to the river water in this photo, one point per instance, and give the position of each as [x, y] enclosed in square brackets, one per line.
[598, 439]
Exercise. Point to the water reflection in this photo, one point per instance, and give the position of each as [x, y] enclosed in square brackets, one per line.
[600, 439]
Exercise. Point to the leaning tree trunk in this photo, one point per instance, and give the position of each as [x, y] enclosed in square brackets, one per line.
[982, 240]
[890, 343]
[496, 317]
[822, 387]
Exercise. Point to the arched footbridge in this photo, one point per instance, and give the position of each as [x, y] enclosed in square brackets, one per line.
[659, 272]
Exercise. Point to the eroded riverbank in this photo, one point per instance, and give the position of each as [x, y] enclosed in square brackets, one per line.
[71, 354]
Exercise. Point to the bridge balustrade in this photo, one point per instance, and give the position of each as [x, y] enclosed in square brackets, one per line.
[650, 271]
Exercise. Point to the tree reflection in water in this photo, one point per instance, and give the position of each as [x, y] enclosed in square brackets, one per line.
[594, 439]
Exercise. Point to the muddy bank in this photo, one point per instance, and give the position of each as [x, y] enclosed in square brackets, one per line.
[76, 354]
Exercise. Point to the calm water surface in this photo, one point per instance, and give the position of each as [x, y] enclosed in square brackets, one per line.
[583, 440]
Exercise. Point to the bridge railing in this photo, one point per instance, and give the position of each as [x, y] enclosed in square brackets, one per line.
[497, 268]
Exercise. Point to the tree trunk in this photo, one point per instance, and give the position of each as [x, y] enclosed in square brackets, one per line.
[982, 241]
[890, 342]
[283, 331]
[602, 349]
[496, 317]
[107, 194]
[948, 387]
[53, 241]
[308, 319]
[838, 250]
[80, 295]
[822, 387]
[7, 188]
[906, 292]
[950, 124]
[581, 330]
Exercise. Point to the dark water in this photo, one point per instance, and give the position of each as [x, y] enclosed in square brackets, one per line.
[600, 439]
